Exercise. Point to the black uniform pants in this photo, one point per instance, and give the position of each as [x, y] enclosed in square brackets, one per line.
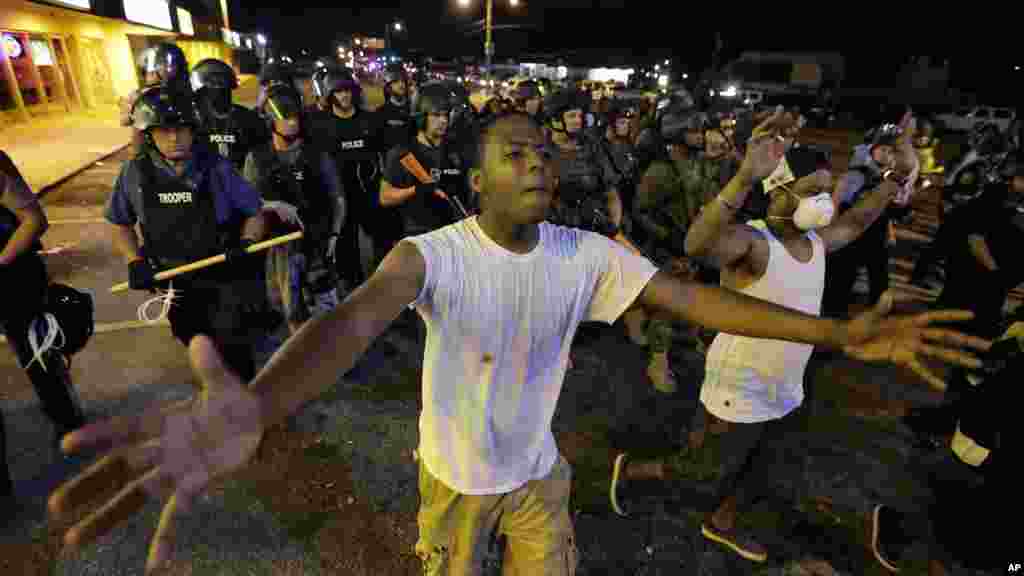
[348, 261]
[226, 310]
[24, 287]
[871, 251]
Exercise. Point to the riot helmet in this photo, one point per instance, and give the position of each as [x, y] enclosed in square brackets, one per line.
[277, 70]
[330, 79]
[73, 310]
[283, 103]
[161, 106]
[620, 110]
[526, 92]
[164, 64]
[212, 81]
[564, 100]
[392, 74]
[885, 135]
[436, 98]
[164, 107]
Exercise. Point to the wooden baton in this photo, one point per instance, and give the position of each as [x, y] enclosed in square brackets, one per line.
[207, 262]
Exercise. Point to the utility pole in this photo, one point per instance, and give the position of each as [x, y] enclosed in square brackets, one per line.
[488, 42]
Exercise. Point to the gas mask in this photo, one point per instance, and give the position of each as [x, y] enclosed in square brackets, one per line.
[812, 213]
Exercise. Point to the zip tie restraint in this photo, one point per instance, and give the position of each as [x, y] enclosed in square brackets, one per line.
[165, 298]
[48, 322]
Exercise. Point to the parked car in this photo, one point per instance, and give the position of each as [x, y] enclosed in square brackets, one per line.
[967, 118]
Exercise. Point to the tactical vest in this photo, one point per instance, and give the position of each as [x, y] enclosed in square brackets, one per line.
[396, 126]
[425, 212]
[303, 186]
[179, 223]
[582, 201]
[228, 137]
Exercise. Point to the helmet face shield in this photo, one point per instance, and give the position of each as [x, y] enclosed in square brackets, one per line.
[281, 105]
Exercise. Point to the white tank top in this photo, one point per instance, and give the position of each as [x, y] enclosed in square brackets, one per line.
[751, 380]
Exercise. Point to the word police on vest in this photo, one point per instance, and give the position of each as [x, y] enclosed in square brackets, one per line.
[435, 173]
[396, 122]
[222, 138]
[175, 197]
[352, 144]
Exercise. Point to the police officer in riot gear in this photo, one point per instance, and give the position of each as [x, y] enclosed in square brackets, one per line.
[617, 144]
[232, 130]
[303, 71]
[161, 65]
[190, 204]
[395, 115]
[527, 98]
[164, 64]
[585, 197]
[396, 129]
[427, 206]
[290, 169]
[348, 132]
[24, 281]
[868, 167]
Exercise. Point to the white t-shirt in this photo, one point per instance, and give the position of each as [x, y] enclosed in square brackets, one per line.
[751, 380]
[499, 329]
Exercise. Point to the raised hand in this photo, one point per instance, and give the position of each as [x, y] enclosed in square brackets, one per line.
[170, 453]
[905, 340]
[767, 146]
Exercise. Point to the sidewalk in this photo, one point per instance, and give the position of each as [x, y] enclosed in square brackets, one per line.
[52, 148]
[49, 149]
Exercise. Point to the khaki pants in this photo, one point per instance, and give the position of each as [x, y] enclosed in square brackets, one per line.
[456, 529]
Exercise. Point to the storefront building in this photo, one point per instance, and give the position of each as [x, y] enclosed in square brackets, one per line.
[62, 57]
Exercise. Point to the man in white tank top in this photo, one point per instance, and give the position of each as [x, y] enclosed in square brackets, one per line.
[501, 294]
[752, 381]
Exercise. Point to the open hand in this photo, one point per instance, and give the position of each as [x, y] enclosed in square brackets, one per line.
[904, 340]
[170, 453]
[767, 146]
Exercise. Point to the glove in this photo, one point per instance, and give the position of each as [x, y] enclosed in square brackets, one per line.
[236, 255]
[286, 212]
[425, 190]
[141, 275]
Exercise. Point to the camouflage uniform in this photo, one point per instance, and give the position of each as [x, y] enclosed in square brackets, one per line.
[666, 210]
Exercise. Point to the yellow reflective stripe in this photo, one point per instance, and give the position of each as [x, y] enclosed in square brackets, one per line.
[969, 451]
[274, 108]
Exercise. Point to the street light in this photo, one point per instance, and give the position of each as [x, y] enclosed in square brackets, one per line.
[261, 39]
[488, 28]
[398, 26]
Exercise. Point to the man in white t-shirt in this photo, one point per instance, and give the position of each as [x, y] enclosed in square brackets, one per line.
[502, 295]
[750, 382]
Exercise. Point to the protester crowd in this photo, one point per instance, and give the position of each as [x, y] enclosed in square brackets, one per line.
[493, 234]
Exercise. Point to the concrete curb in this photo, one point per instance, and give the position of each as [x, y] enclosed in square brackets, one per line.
[45, 189]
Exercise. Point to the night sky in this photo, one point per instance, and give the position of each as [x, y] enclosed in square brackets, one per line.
[608, 35]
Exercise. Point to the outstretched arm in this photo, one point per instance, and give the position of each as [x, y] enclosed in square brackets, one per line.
[329, 346]
[173, 452]
[872, 336]
[725, 310]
